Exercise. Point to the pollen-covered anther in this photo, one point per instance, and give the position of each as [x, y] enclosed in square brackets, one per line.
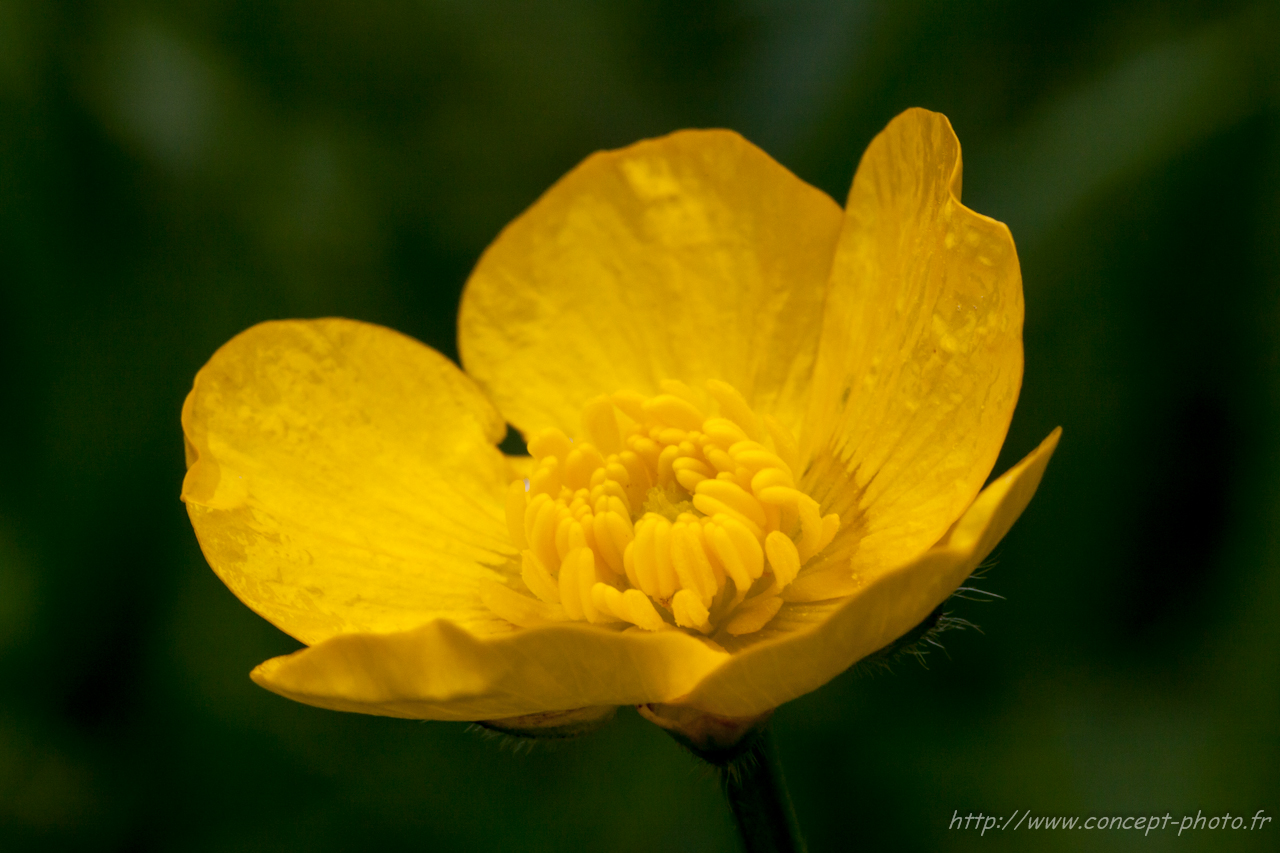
[660, 516]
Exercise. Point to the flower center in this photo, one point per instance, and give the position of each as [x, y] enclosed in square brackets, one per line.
[660, 514]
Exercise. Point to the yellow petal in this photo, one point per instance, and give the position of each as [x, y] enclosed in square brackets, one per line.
[921, 355]
[694, 256]
[345, 478]
[806, 645]
[443, 672]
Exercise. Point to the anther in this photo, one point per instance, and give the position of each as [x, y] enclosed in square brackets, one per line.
[649, 519]
[549, 442]
[600, 425]
[538, 579]
[673, 411]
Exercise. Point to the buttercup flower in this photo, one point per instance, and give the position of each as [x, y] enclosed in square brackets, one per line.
[758, 427]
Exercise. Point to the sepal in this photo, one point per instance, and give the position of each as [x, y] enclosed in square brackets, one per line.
[715, 739]
[554, 725]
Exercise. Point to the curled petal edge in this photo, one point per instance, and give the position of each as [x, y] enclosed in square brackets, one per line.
[440, 671]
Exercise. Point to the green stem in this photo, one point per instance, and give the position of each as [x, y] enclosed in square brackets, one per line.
[758, 795]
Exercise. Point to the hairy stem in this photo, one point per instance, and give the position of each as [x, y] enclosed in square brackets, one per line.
[758, 795]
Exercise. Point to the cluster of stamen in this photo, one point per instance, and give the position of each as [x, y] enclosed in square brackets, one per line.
[660, 515]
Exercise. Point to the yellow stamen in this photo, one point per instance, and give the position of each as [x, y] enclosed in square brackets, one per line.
[690, 612]
[538, 579]
[754, 615]
[784, 558]
[652, 515]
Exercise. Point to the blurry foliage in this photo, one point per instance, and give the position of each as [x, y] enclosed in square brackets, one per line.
[169, 176]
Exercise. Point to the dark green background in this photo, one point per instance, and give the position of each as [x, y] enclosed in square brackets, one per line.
[170, 176]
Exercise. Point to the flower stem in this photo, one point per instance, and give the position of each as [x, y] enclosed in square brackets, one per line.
[758, 795]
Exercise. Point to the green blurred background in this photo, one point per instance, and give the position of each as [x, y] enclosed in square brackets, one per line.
[173, 173]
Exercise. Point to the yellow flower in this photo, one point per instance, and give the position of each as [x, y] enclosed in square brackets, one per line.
[759, 427]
